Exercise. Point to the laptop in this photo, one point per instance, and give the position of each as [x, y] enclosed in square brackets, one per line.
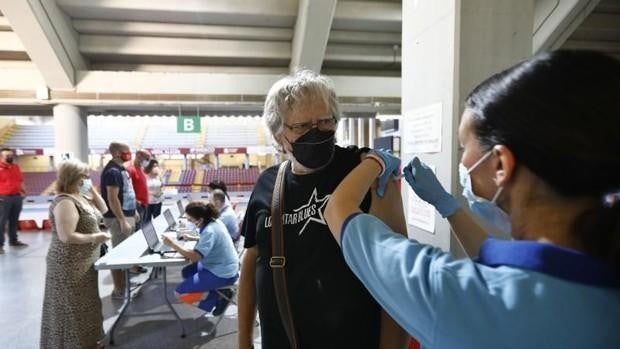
[172, 224]
[155, 245]
[181, 208]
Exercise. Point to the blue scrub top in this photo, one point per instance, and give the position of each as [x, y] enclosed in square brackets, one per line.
[519, 294]
[229, 218]
[217, 250]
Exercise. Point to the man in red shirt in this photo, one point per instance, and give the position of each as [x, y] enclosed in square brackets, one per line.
[138, 180]
[12, 193]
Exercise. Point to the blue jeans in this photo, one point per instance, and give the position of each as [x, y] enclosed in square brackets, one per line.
[10, 208]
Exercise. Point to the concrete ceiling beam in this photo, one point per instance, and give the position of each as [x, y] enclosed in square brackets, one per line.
[48, 39]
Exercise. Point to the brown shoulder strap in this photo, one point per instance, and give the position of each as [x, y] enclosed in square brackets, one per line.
[278, 258]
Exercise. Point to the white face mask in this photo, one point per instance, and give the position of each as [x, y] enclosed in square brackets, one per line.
[483, 208]
[144, 163]
[86, 185]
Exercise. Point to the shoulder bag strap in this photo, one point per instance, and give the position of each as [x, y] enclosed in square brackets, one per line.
[278, 258]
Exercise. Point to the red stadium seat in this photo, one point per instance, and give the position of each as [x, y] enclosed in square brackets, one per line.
[27, 225]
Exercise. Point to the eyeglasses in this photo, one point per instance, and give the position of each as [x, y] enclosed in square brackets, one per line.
[301, 128]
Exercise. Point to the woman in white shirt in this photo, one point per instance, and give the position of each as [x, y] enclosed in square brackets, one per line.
[155, 186]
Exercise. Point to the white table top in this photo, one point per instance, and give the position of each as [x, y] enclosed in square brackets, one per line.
[134, 250]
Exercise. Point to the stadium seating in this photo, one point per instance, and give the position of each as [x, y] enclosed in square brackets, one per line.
[232, 175]
[164, 136]
[233, 132]
[187, 179]
[31, 136]
[37, 182]
[104, 129]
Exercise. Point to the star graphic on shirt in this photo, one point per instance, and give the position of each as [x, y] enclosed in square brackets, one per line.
[314, 200]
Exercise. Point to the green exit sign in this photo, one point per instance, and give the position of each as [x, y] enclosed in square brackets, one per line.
[188, 124]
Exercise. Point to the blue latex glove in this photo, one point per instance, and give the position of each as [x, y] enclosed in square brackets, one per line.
[426, 185]
[391, 164]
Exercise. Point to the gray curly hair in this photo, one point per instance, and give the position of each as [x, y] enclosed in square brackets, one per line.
[294, 91]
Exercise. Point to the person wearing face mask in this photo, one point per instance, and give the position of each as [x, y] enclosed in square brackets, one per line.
[214, 260]
[227, 213]
[72, 316]
[118, 193]
[155, 186]
[12, 193]
[140, 186]
[330, 307]
[540, 154]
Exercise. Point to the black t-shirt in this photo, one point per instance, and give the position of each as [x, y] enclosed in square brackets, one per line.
[115, 175]
[331, 308]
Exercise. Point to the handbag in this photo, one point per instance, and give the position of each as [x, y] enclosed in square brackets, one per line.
[103, 249]
[278, 258]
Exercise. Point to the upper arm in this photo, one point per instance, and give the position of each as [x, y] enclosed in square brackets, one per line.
[248, 263]
[66, 218]
[112, 191]
[389, 209]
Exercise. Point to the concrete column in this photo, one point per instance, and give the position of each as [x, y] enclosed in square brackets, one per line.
[448, 48]
[361, 132]
[70, 132]
[341, 137]
[372, 132]
[352, 131]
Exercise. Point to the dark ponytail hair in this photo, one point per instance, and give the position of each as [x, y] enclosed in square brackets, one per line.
[559, 113]
[150, 166]
[218, 184]
[206, 211]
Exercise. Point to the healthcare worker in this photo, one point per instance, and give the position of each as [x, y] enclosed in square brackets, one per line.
[541, 144]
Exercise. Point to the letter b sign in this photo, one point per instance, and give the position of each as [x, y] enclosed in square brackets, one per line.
[188, 124]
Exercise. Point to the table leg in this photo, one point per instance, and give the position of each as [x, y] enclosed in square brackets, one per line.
[126, 302]
[169, 304]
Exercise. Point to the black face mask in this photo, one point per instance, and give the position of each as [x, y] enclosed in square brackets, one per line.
[9, 159]
[315, 149]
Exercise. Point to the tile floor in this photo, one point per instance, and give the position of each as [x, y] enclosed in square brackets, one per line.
[22, 276]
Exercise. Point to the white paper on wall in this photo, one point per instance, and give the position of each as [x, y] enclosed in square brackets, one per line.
[420, 213]
[423, 129]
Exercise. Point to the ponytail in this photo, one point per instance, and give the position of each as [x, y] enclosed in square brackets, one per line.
[598, 230]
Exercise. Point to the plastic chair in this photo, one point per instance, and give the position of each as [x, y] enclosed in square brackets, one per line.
[47, 225]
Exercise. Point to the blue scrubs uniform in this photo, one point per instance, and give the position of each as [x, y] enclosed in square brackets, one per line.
[219, 266]
[518, 294]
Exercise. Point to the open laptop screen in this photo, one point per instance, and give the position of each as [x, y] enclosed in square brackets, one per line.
[150, 235]
[169, 218]
[181, 208]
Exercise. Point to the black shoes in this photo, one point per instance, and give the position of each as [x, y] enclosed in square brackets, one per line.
[222, 303]
[18, 243]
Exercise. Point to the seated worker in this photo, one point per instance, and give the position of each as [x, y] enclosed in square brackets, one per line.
[540, 151]
[215, 263]
[227, 214]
